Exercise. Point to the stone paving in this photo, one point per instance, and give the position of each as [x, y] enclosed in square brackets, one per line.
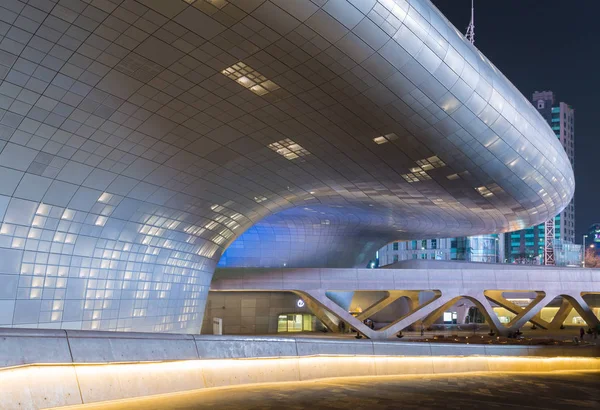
[560, 390]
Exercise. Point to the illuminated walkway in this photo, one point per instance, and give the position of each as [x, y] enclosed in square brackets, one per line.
[473, 391]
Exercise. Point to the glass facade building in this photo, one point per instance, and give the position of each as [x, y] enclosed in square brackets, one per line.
[480, 248]
[567, 254]
[593, 238]
[527, 245]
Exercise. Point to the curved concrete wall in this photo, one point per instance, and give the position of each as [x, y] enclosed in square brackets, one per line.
[36, 387]
[40, 369]
[20, 347]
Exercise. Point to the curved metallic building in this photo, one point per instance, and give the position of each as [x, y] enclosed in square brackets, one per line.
[139, 139]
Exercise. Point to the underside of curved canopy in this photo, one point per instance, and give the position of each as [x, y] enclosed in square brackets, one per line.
[139, 139]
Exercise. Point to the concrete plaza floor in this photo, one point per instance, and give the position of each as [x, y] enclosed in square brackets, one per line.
[559, 390]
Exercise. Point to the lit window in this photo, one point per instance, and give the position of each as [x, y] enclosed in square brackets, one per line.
[385, 138]
[426, 164]
[245, 75]
[260, 199]
[484, 191]
[490, 190]
[431, 163]
[258, 90]
[416, 175]
[217, 3]
[288, 149]
[101, 221]
[105, 197]
[43, 209]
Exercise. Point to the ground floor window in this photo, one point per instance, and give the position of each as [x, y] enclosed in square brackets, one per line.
[296, 322]
[450, 317]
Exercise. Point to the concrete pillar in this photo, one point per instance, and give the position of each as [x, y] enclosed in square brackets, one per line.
[320, 297]
[393, 295]
[526, 314]
[419, 313]
[433, 316]
[480, 302]
[583, 309]
[344, 299]
[561, 314]
[484, 306]
[320, 313]
[497, 297]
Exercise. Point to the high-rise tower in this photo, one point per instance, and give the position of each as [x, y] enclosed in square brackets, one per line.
[529, 243]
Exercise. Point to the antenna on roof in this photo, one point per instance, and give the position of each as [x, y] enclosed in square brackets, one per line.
[471, 29]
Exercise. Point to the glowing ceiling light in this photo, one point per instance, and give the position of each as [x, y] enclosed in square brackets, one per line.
[101, 221]
[105, 197]
[382, 139]
[484, 191]
[43, 210]
[246, 76]
[431, 163]
[288, 149]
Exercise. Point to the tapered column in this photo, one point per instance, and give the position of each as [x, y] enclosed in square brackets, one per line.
[484, 306]
[319, 312]
[321, 298]
[530, 311]
[419, 313]
[433, 316]
[496, 297]
[561, 315]
[583, 309]
[393, 295]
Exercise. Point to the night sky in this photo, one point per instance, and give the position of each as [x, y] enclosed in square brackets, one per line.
[548, 45]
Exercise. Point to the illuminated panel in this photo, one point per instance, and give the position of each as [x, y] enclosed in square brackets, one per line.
[419, 173]
[488, 191]
[484, 191]
[431, 163]
[385, 138]
[289, 149]
[248, 77]
[416, 174]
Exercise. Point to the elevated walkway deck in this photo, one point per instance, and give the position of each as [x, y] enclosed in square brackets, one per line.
[483, 284]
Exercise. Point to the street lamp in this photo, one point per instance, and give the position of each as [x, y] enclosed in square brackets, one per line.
[496, 251]
[583, 251]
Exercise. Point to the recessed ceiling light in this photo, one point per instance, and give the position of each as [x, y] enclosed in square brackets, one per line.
[385, 138]
[246, 76]
[288, 149]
